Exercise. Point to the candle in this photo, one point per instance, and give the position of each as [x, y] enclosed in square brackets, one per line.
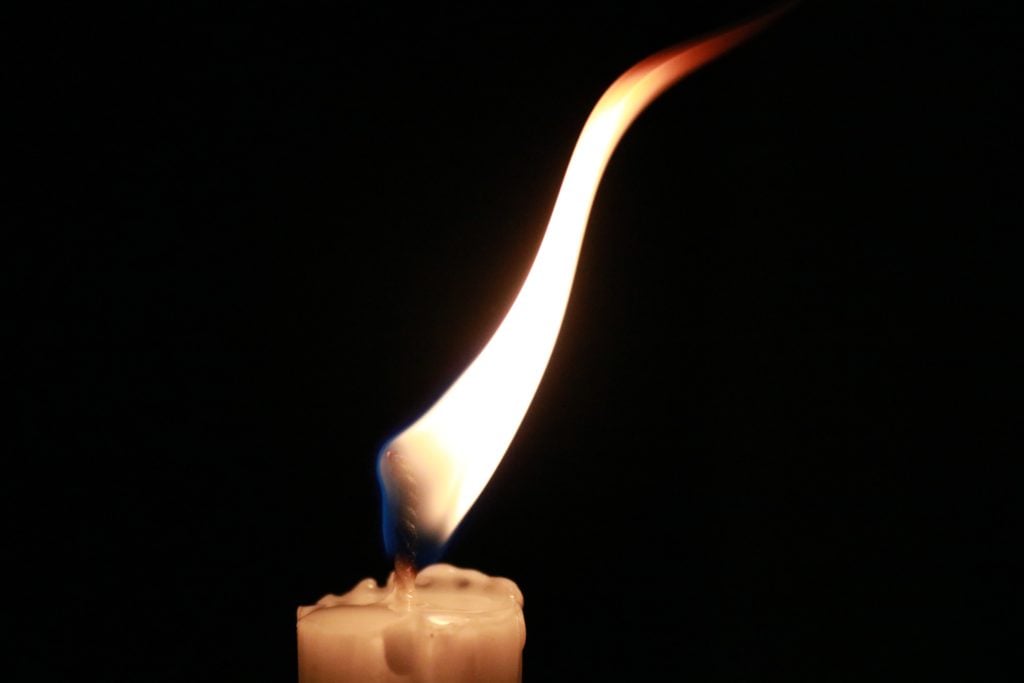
[450, 625]
[455, 625]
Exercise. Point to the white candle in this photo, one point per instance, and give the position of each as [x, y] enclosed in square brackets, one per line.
[459, 625]
[455, 626]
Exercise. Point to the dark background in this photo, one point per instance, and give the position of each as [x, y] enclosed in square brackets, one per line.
[773, 442]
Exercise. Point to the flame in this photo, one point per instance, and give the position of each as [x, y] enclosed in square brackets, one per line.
[434, 470]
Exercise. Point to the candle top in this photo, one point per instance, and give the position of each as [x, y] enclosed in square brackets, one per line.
[444, 595]
[448, 625]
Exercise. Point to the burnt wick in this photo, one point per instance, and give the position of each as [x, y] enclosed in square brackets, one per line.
[405, 578]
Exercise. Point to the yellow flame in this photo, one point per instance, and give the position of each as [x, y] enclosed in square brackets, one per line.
[440, 464]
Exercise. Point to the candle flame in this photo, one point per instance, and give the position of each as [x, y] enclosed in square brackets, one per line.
[433, 471]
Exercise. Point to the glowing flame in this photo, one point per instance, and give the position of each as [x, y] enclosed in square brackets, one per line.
[434, 470]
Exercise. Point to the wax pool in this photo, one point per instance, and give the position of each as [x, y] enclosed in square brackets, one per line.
[456, 625]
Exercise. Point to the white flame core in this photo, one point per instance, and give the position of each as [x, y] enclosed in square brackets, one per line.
[451, 452]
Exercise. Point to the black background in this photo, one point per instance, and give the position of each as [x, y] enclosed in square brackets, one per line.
[773, 442]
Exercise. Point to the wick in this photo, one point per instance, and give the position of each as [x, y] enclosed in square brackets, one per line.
[405, 579]
[406, 533]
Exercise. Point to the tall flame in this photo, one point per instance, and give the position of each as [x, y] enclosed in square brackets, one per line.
[434, 470]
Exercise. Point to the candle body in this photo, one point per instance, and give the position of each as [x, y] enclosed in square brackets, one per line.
[458, 625]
